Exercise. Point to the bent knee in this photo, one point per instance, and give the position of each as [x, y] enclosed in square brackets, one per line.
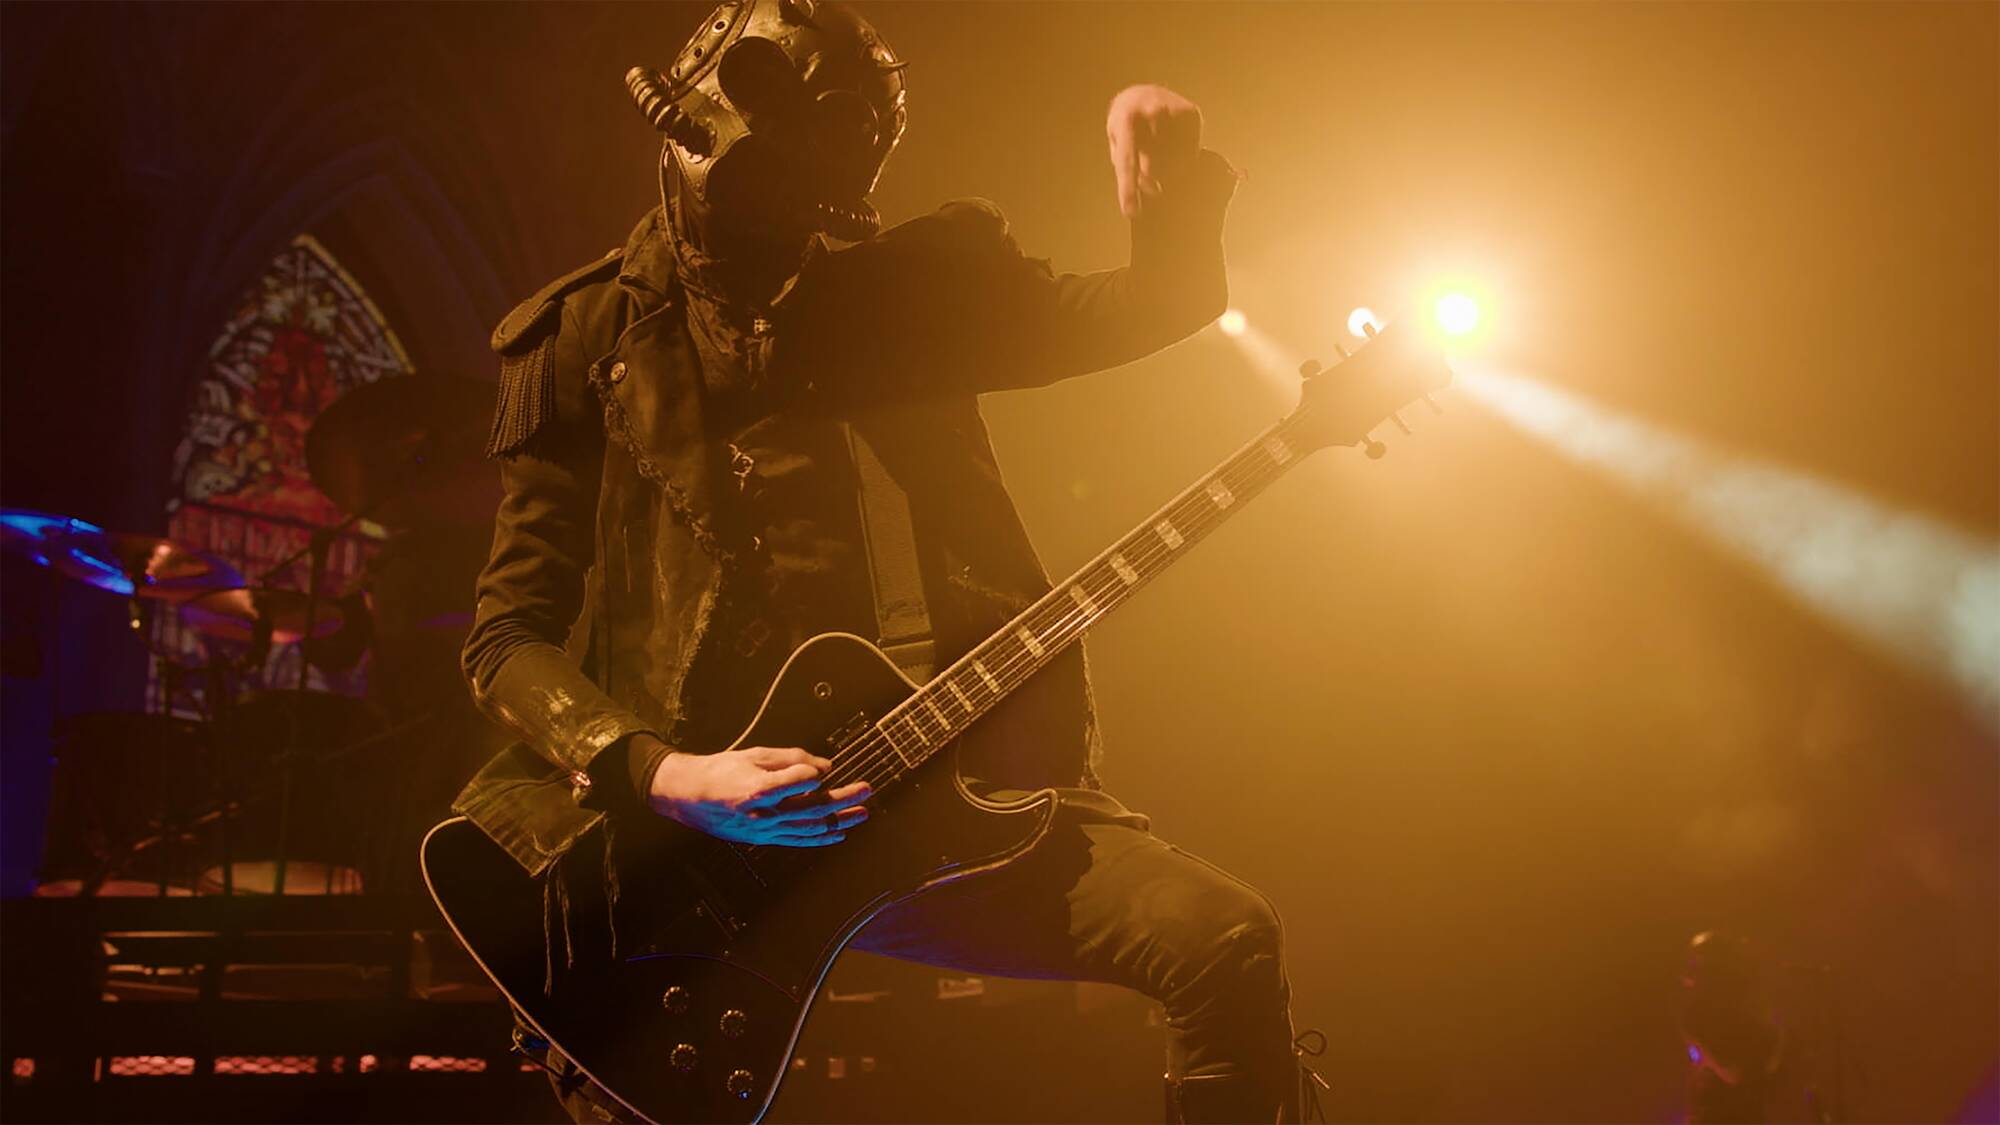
[1242, 944]
[1248, 941]
[1238, 917]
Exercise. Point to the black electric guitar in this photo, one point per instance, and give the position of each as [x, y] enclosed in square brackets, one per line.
[700, 1025]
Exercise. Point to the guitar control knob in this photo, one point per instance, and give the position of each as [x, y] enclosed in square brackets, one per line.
[734, 1023]
[683, 1057]
[674, 1000]
[740, 1083]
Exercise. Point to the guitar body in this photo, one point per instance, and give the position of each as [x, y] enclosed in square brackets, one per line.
[697, 1020]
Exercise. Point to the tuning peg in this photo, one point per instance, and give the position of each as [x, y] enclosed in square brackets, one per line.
[1374, 449]
[1342, 349]
[1309, 368]
[1368, 326]
[1400, 424]
[1432, 403]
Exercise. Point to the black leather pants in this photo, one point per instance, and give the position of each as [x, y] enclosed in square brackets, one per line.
[1103, 899]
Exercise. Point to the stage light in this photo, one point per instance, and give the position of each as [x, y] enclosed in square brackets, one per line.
[1915, 587]
[1458, 309]
[1361, 320]
[1232, 322]
[1456, 313]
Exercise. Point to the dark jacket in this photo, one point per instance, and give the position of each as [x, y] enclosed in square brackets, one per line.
[648, 571]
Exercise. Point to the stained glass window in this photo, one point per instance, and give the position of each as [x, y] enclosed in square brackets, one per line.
[301, 336]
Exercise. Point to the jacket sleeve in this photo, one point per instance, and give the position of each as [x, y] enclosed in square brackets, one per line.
[1037, 326]
[531, 592]
[949, 302]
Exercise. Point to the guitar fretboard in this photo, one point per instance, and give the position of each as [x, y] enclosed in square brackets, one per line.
[956, 697]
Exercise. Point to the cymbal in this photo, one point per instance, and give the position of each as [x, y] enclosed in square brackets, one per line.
[29, 533]
[143, 565]
[407, 451]
[233, 614]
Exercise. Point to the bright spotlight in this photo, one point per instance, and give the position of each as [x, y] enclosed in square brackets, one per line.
[1457, 313]
[1232, 322]
[1361, 320]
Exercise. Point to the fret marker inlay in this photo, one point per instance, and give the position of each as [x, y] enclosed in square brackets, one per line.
[1028, 638]
[897, 745]
[1125, 572]
[924, 723]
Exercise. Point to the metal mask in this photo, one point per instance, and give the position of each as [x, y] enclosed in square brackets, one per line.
[781, 109]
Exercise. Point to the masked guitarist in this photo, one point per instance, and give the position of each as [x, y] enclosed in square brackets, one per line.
[677, 432]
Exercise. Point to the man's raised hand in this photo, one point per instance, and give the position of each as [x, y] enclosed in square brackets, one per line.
[1152, 131]
[758, 795]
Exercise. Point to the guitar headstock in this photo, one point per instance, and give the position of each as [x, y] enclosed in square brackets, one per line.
[1339, 405]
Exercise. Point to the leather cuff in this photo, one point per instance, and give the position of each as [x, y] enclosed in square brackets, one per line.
[642, 767]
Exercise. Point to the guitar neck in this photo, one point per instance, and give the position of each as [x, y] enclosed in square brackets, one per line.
[959, 695]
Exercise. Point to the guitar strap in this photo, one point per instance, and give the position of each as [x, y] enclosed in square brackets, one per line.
[901, 617]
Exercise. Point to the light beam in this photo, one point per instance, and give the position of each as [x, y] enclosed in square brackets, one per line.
[1918, 588]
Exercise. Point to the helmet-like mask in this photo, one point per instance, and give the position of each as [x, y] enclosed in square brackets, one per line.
[780, 112]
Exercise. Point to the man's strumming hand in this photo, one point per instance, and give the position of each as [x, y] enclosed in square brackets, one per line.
[757, 795]
[1153, 131]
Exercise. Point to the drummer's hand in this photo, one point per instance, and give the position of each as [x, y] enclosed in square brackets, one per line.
[757, 795]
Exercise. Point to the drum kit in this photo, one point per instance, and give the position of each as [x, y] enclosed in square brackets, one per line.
[263, 788]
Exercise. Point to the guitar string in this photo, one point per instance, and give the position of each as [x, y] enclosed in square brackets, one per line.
[1241, 470]
[863, 757]
[883, 746]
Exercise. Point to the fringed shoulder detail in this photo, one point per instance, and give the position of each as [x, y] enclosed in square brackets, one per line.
[527, 397]
[526, 341]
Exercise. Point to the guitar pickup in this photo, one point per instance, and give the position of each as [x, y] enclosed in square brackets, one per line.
[851, 730]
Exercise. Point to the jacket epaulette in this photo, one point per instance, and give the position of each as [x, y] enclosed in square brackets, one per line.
[526, 342]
